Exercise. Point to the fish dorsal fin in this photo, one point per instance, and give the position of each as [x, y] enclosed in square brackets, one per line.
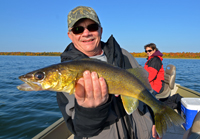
[130, 104]
[138, 73]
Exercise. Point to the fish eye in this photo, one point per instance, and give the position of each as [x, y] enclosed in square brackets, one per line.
[39, 75]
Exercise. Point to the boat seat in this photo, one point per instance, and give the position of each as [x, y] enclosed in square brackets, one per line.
[169, 81]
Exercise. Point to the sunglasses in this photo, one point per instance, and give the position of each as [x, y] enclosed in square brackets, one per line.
[80, 29]
[148, 51]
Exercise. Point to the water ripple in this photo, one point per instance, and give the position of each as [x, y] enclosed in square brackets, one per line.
[24, 114]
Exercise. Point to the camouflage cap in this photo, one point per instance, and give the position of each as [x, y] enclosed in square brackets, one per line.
[81, 12]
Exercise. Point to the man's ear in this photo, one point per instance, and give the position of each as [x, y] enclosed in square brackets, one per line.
[69, 35]
[101, 31]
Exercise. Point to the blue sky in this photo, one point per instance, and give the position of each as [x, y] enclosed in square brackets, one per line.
[41, 25]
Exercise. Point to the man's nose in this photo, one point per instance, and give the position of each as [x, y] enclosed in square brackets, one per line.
[86, 32]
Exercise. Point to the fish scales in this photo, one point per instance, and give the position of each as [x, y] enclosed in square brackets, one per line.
[124, 83]
[118, 80]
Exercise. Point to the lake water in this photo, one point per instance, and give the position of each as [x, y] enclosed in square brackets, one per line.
[24, 114]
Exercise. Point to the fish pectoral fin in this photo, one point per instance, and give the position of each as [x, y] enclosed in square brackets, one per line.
[130, 104]
[69, 88]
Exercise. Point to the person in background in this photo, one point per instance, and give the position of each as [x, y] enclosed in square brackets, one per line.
[91, 112]
[156, 71]
[154, 67]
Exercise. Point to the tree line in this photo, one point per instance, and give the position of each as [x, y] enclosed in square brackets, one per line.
[31, 53]
[172, 55]
[142, 54]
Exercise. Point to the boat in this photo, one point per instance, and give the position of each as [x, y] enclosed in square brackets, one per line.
[59, 129]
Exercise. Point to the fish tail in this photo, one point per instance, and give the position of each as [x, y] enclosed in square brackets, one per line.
[165, 118]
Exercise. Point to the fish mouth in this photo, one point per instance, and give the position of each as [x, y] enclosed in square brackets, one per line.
[29, 85]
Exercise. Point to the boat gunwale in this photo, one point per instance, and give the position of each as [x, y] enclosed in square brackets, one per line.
[50, 129]
[177, 88]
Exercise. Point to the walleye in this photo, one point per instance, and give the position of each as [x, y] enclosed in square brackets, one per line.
[130, 84]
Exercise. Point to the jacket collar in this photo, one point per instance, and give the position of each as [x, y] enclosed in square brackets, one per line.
[157, 53]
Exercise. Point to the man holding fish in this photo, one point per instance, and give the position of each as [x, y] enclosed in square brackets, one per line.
[95, 110]
[92, 98]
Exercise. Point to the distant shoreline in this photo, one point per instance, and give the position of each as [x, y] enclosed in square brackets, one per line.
[179, 55]
[172, 58]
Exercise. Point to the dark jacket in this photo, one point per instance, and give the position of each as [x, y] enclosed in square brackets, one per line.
[108, 121]
[156, 71]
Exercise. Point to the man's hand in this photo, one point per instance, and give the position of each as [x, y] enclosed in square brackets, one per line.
[154, 133]
[91, 91]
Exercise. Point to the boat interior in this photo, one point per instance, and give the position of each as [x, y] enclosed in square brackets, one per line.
[59, 129]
